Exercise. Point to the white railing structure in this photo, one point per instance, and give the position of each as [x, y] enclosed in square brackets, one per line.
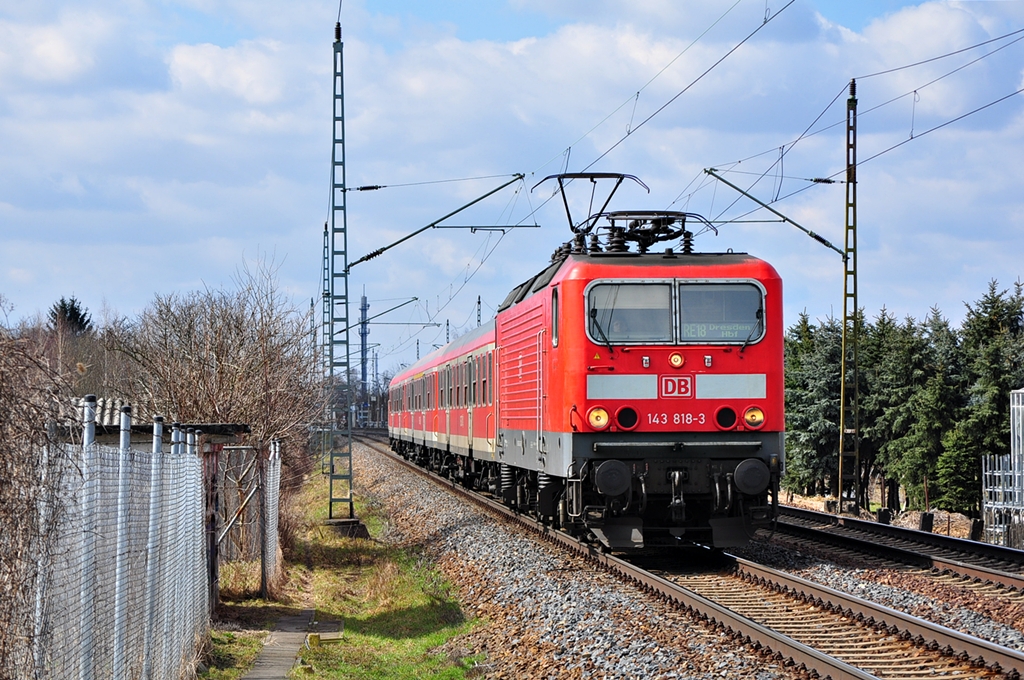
[1003, 484]
[121, 587]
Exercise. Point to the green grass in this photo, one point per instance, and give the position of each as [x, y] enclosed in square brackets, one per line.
[231, 654]
[395, 605]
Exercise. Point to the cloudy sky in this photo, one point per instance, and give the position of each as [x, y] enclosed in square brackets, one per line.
[153, 146]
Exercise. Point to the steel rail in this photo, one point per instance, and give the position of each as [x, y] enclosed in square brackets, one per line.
[921, 558]
[762, 637]
[955, 643]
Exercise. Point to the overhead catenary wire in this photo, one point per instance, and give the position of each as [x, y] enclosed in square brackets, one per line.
[941, 56]
[915, 91]
[635, 97]
[691, 84]
[768, 17]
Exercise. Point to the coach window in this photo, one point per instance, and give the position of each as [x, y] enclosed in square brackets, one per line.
[472, 381]
[490, 377]
[721, 313]
[554, 317]
[629, 312]
[478, 381]
[483, 376]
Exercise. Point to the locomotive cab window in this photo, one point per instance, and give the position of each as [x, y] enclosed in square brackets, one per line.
[721, 313]
[630, 313]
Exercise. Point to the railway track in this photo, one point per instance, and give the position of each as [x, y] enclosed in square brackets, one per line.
[826, 632]
[981, 562]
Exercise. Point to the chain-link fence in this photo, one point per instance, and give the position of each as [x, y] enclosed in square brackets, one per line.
[250, 489]
[123, 594]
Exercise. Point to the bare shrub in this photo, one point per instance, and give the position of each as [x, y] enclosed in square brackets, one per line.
[31, 465]
[228, 356]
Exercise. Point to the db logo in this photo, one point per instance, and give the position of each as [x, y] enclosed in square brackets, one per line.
[676, 386]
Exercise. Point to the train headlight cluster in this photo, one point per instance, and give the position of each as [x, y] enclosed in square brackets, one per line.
[598, 418]
[676, 360]
[753, 417]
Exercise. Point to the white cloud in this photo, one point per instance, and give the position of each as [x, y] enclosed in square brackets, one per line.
[249, 71]
[52, 53]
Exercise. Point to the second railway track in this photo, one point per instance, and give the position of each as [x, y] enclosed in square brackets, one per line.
[828, 633]
[986, 563]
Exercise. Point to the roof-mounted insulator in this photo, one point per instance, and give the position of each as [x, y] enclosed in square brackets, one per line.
[687, 243]
[617, 240]
[595, 244]
[579, 244]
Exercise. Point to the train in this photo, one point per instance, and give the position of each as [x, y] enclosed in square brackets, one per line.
[628, 394]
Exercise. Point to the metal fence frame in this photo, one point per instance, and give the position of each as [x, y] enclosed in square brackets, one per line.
[1003, 484]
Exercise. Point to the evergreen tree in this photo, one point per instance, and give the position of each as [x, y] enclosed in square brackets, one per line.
[69, 316]
[812, 404]
[895, 369]
[933, 410]
[992, 333]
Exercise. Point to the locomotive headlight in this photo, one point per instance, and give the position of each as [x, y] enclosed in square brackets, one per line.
[676, 360]
[598, 418]
[753, 417]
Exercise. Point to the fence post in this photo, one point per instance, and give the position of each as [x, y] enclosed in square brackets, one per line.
[200, 606]
[46, 498]
[152, 545]
[121, 556]
[87, 591]
[261, 468]
[211, 467]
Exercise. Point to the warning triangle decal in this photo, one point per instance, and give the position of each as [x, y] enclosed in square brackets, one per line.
[597, 356]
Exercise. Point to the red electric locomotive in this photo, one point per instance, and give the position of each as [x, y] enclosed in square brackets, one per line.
[632, 396]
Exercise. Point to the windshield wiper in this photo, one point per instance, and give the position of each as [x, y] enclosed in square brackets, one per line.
[757, 326]
[593, 317]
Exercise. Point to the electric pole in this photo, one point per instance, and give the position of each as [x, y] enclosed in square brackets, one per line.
[850, 491]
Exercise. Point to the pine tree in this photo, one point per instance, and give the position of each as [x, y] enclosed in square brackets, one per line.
[992, 333]
[69, 316]
[895, 370]
[812, 404]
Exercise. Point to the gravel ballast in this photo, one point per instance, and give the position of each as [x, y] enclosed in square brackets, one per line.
[908, 591]
[546, 614]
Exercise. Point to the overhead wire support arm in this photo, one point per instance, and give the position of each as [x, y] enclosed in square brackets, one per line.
[516, 178]
[817, 237]
[475, 228]
[386, 311]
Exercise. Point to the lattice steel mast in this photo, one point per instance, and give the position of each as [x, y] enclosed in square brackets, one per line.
[849, 416]
[337, 432]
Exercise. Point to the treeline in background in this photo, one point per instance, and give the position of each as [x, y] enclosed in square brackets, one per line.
[933, 400]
